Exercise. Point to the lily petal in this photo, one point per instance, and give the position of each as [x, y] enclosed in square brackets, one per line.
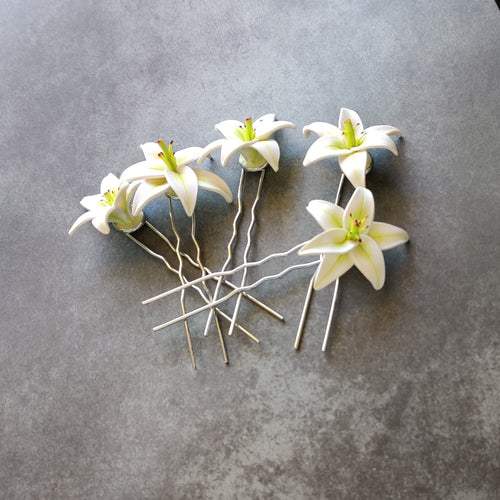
[149, 169]
[185, 185]
[332, 267]
[91, 202]
[326, 146]
[188, 155]
[251, 160]
[131, 189]
[110, 182]
[212, 182]
[330, 241]
[229, 129]
[322, 128]
[368, 258]
[80, 221]
[361, 207]
[121, 197]
[229, 147]
[387, 236]
[327, 215]
[100, 220]
[151, 150]
[209, 149]
[377, 140]
[147, 191]
[270, 151]
[264, 130]
[349, 114]
[354, 167]
[386, 129]
[264, 119]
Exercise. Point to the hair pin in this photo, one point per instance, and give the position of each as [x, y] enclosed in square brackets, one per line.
[256, 151]
[349, 142]
[307, 302]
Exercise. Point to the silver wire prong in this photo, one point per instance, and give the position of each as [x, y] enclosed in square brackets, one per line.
[238, 326]
[303, 316]
[234, 292]
[330, 316]
[257, 302]
[336, 289]
[224, 273]
[339, 189]
[229, 245]
[200, 292]
[227, 283]
[204, 283]
[310, 289]
[181, 278]
[247, 249]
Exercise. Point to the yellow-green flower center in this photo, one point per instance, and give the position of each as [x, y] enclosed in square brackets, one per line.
[356, 228]
[349, 132]
[108, 198]
[167, 155]
[246, 133]
[249, 130]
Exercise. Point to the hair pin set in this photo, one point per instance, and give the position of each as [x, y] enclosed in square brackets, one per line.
[350, 236]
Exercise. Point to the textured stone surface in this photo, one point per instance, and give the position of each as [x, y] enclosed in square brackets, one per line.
[94, 405]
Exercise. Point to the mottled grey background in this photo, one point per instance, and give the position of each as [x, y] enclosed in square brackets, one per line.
[94, 405]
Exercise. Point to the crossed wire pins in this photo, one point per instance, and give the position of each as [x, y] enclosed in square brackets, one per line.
[248, 245]
[213, 301]
[210, 300]
[244, 287]
[205, 293]
[239, 291]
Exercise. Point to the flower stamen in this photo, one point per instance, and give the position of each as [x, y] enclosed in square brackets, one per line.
[348, 130]
[249, 130]
[356, 228]
[108, 198]
[168, 155]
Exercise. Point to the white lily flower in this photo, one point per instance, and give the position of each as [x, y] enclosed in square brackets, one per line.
[351, 237]
[349, 142]
[111, 205]
[251, 140]
[166, 172]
